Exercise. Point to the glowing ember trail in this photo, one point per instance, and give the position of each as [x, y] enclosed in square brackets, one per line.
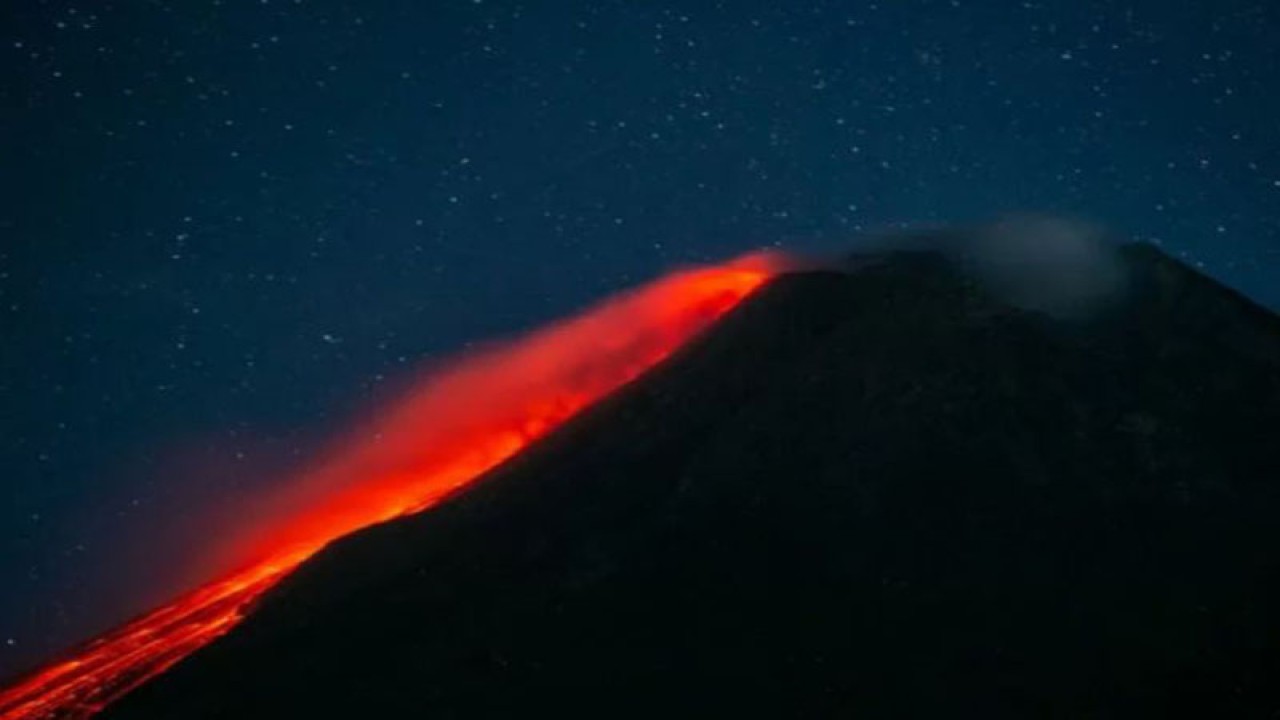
[454, 426]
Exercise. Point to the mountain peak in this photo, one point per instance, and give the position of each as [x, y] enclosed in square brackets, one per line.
[893, 490]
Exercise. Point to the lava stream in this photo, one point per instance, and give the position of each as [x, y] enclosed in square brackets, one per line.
[454, 426]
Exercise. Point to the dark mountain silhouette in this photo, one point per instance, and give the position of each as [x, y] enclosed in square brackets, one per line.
[881, 493]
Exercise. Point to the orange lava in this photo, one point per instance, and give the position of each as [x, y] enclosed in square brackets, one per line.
[454, 426]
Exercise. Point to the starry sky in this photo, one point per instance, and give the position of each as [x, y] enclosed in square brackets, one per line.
[227, 225]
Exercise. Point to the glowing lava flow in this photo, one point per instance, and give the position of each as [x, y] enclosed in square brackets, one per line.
[457, 424]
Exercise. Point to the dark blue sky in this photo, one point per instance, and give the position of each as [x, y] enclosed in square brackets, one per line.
[227, 224]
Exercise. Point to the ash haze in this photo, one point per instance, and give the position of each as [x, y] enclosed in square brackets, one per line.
[227, 227]
[1064, 267]
[1061, 267]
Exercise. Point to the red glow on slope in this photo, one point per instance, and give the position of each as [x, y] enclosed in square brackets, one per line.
[453, 427]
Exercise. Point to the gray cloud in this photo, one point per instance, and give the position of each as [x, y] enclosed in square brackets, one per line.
[1062, 267]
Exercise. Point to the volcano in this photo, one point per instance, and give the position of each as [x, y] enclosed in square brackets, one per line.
[884, 489]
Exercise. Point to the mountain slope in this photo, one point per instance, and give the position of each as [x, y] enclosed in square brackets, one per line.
[883, 491]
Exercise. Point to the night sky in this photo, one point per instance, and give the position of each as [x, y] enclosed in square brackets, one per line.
[227, 226]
